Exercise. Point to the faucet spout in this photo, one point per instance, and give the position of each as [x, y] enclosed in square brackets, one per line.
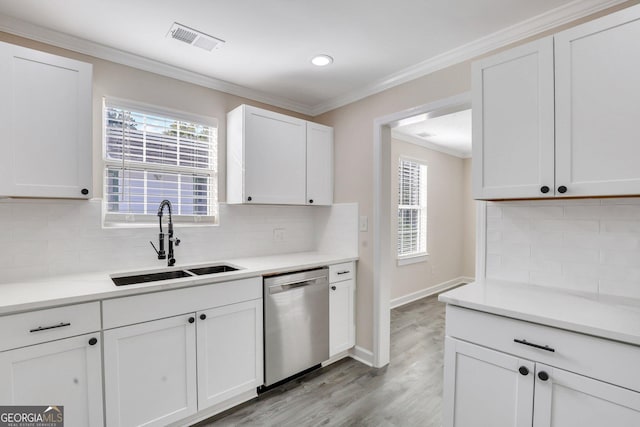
[161, 253]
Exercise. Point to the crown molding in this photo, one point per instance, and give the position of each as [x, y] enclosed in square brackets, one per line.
[25, 29]
[570, 12]
[552, 19]
[428, 144]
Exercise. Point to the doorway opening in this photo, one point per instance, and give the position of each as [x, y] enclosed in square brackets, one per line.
[387, 130]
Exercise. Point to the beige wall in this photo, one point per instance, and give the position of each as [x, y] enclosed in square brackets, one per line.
[353, 136]
[120, 81]
[447, 232]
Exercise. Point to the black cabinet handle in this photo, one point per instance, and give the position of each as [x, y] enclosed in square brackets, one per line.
[84, 191]
[530, 344]
[562, 189]
[93, 341]
[544, 189]
[523, 370]
[46, 328]
[543, 375]
[192, 319]
[249, 198]
[340, 273]
[203, 316]
[310, 200]
[333, 288]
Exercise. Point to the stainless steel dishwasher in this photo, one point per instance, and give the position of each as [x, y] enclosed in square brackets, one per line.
[296, 323]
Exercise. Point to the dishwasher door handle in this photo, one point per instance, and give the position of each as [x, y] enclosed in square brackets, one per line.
[276, 289]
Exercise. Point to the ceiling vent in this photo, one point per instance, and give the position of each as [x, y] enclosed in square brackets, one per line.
[193, 37]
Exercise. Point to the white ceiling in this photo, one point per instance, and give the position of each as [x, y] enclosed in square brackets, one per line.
[450, 133]
[376, 44]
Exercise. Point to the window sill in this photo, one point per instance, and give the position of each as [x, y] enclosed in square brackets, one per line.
[413, 259]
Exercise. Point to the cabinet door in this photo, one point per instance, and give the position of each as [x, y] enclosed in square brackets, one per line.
[483, 387]
[45, 120]
[319, 164]
[513, 129]
[275, 157]
[150, 372]
[597, 99]
[342, 327]
[229, 351]
[566, 399]
[66, 372]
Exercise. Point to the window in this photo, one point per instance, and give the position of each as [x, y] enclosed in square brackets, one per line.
[151, 155]
[412, 209]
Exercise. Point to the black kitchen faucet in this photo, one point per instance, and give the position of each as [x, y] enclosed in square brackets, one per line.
[161, 253]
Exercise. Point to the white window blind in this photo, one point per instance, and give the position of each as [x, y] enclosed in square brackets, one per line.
[412, 208]
[155, 155]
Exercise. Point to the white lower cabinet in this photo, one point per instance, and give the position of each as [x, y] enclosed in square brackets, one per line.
[150, 372]
[500, 372]
[342, 303]
[203, 359]
[341, 316]
[229, 351]
[65, 372]
[566, 399]
[485, 387]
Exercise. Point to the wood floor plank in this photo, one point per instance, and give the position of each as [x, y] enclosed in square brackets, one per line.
[407, 392]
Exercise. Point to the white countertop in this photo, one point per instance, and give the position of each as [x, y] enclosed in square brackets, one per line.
[62, 290]
[593, 314]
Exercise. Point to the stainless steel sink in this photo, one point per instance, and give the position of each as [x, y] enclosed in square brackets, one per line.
[133, 279]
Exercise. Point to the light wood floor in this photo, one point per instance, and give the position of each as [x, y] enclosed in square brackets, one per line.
[407, 392]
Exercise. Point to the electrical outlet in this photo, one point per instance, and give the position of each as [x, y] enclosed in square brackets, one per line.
[278, 235]
[363, 224]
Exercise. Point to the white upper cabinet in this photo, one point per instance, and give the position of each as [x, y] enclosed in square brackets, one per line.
[513, 122]
[597, 106]
[597, 140]
[277, 159]
[45, 120]
[319, 164]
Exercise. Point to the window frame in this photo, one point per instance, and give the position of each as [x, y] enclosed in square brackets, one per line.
[422, 253]
[135, 220]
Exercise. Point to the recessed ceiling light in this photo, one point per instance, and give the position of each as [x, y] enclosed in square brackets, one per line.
[321, 60]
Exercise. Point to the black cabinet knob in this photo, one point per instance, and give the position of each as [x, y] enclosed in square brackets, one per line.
[203, 316]
[93, 341]
[333, 288]
[544, 189]
[562, 189]
[523, 370]
[543, 375]
[192, 319]
[249, 198]
[84, 191]
[310, 200]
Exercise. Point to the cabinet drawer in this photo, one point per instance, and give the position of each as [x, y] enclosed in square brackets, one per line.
[19, 330]
[340, 272]
[142, 308]
[598, 358]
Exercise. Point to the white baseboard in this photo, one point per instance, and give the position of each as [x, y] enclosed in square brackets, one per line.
[334, 359]
[406, 299]
[362, 355]
[215, 409]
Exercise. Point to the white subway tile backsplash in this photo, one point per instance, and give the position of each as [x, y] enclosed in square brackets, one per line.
[42, 238]
[620, 226]
[588, 245]
[564, 225]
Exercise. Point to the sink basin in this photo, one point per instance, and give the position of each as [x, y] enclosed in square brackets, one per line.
[212, 269]
[175, 274]
[150, 277]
